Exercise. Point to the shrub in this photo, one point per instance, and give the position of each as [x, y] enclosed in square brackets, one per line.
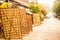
[35, 8]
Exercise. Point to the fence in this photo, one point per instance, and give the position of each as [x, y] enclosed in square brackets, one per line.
[14, 23]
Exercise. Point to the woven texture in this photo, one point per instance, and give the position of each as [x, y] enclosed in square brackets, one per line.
[16, 23]
[36, 20]
[11, 23]
[24, 27]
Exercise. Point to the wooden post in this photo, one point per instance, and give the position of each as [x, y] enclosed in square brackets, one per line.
[29, 22]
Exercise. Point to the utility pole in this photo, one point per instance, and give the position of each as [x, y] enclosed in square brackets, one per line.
[36, 1]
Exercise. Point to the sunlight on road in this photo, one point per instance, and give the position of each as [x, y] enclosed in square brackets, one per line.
[48, 30]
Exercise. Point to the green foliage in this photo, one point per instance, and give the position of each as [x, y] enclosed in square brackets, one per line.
[35, 8]
[56, 8]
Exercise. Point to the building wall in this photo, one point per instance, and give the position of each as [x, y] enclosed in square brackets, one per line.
[2, 0]
[23, 2]
[26, 1]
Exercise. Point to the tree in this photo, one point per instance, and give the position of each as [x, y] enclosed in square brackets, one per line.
[56, 7]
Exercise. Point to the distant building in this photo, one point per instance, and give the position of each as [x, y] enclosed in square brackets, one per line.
[20, 3]
[23, 2]
[26, 1]
[2, 0]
